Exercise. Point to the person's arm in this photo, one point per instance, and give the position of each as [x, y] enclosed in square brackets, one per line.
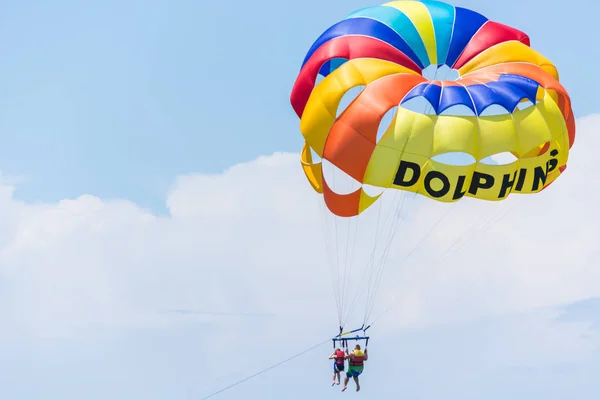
[332, 356]
[366, 355]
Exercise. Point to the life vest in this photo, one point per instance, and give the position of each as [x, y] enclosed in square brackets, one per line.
[358, 359]
[339, 357]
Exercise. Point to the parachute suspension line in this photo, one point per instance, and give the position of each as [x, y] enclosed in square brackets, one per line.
[343, 288]
[338, 250]
[267, 369]
[383, 263]
[371, 261]
[350, 269]
[470, 229]
[337, 257]
[489, 225]
[328, 250]
[411, 252]
[342, 261]
[486, 227]
[396, 221]
[347, 268]
[473, 230]
[452, 207]
[377, 241]
[353, 303]
[394, 229]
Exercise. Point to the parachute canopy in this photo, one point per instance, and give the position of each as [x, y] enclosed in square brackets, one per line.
[391, 51]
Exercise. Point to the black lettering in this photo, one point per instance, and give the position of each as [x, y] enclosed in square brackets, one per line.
[431, 175]
[480, 181]
[507, 185]
[521, 181]
[552, 163]
[539, 176]
[458, 191]
[400, 179]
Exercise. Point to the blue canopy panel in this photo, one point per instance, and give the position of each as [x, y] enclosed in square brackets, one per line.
[507, 92]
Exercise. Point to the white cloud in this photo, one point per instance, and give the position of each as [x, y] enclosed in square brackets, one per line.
[250, 240]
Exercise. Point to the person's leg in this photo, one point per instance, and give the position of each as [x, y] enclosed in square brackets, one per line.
[346, 380]
[341, 371]
[357, 384]
[335, 372]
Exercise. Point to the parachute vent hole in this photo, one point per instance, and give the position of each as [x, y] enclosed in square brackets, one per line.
[459, 110]
[337, 180]
[420, 105]
[455, 158]
[504, 158]
[331, 65]
[525, 104]
[348, 98]
[494, 109]
[440, 73]
[372, 190]
[315, 157]
[386, 122]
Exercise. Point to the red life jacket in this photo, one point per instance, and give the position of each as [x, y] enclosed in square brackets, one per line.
[358, 359]
[339, 357]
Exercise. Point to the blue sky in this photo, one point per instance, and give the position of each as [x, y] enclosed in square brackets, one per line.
[118, 99]
[458, 361]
